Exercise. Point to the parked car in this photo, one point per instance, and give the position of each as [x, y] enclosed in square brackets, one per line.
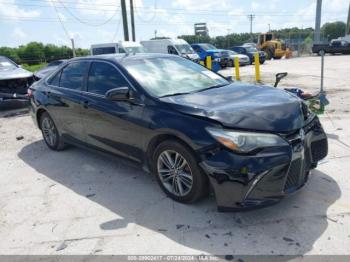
[187, 125]
[249, 45]
[14, 83]
[50, 67]
[250, 52]
[228, 57]
[171, 46]
[204, 50]
[128, 47]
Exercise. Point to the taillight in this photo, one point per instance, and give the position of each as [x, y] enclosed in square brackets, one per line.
[29, 92]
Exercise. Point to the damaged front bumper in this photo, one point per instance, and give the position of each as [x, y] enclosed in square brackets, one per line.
[251, 181]
[13, 92]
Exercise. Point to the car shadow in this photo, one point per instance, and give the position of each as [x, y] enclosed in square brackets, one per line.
[290, 227]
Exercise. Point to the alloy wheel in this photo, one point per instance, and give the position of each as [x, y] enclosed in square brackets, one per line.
[174, 173]
[49, 131]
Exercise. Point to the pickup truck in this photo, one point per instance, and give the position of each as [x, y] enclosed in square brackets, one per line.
[204, 50]
[334, 47]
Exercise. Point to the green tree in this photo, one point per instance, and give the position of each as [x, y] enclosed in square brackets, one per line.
[32, 53]
[10, 53]
[333, 30]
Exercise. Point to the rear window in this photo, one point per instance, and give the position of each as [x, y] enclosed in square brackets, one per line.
[72, 75]
[103, 50]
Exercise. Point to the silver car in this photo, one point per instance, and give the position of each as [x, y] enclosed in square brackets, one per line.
[229, 58]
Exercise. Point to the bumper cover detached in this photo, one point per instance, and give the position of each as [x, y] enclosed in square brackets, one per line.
[243, 182]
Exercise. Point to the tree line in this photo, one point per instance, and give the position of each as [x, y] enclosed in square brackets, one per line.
[36, 53]
[328, 31]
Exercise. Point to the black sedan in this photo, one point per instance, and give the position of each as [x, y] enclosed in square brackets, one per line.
[190, 127]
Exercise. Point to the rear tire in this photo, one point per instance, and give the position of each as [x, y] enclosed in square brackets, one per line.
[178, 173]
[50, 133]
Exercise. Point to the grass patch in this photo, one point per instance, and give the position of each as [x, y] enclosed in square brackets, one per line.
[33, 68]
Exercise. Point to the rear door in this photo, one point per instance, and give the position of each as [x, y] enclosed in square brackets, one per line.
[111, 125]
[65, 97]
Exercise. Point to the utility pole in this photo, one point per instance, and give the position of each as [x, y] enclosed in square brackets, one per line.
[348, 23]
[269, 28]
[317, 38]
[155, 34]
[228, 37]
[73, 47]
[125, 21]
[251, 18]
[132, 20]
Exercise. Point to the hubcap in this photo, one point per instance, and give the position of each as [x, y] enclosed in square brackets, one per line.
[175, 173]
[49, 131]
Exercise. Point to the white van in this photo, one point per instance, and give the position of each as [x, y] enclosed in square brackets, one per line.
[120, 47]
[171, 46]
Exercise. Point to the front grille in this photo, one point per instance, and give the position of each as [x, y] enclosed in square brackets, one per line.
[293, 178]
[319, 150]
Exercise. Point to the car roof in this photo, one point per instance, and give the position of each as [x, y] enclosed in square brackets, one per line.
[120, 58]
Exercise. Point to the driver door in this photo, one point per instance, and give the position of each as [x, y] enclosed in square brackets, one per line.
[110, 125]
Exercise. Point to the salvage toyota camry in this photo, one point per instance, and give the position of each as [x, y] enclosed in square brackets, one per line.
[193, 129]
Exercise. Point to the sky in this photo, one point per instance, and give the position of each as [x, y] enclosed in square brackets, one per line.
[99, 21]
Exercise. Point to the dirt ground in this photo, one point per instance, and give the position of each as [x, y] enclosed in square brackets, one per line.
[81, 202]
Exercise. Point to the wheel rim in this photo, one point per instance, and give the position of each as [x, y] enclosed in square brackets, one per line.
[175, 173]
[49, 131]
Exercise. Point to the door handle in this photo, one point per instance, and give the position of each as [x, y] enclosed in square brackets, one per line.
[85, 104]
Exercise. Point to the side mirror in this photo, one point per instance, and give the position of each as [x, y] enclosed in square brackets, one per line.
[279, 77]
[229, 78]
[118, 94]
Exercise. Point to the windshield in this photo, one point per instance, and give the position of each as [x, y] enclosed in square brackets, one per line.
[252, 49]
[7, 64]
[166, 76]
[184, 49]
[134, 49]
[208, 47]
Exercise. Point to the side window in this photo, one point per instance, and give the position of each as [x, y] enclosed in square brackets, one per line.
[172, 50]
[196, 48]
[103, 77]
[72, 75]
[55, 81]
[121, 50]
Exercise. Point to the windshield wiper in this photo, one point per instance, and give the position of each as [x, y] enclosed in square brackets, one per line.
[211, 87]
[175, 94]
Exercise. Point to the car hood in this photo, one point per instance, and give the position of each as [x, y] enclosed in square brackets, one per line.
[14, 73]
[193, 56]
[243, 106]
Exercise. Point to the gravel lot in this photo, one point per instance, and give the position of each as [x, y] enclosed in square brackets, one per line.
[81, 202]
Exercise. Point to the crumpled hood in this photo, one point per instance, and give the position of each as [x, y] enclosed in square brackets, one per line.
[14, 73]
[244, 106]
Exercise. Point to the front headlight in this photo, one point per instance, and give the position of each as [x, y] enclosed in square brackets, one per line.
[245, 142]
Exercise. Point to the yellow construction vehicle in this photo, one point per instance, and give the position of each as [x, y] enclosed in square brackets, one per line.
[273, 48]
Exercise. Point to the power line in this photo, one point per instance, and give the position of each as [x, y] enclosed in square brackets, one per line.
[61, 22]
[215, 12]
[49, 19]
[251, 18]
[84, 22]
[153, 16]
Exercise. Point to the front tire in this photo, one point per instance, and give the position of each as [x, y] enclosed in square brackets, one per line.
[50, 133]
[178, 173]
